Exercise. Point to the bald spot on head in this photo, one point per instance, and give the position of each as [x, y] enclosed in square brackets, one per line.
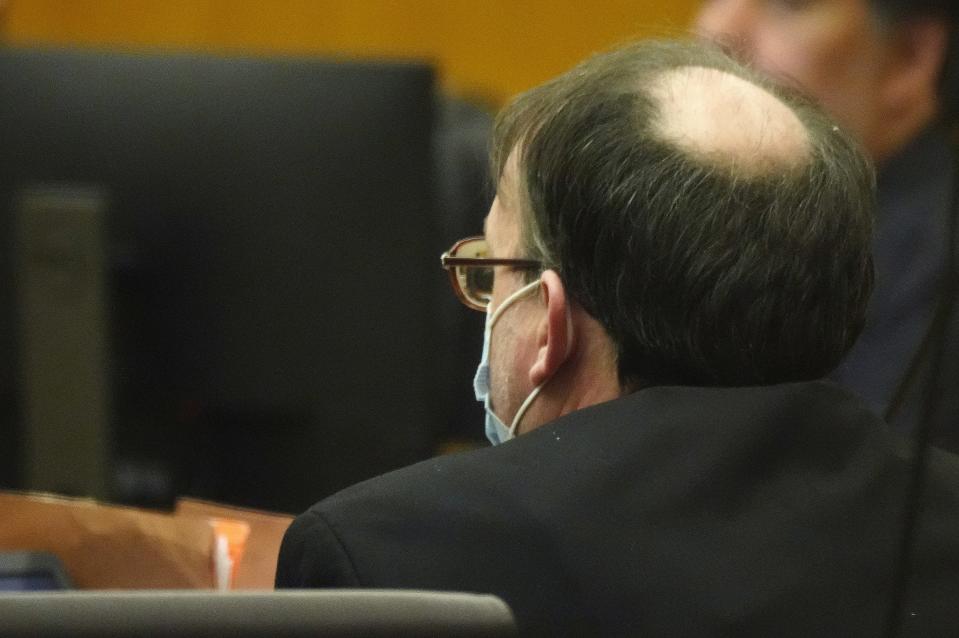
[727, 120]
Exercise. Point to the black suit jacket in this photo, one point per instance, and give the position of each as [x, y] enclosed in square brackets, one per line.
[767, 511]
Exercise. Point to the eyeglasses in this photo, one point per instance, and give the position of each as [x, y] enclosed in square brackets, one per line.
[471, 271]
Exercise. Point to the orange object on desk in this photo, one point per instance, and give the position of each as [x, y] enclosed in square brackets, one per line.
[113, 547]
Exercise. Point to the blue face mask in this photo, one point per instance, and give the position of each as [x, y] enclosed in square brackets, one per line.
[496, 430]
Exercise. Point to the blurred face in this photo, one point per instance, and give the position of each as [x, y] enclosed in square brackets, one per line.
[834, 50]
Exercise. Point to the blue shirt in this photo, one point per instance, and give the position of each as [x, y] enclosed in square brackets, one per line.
[909, 249]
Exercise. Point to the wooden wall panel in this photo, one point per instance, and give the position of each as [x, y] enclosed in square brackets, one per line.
[491, 48]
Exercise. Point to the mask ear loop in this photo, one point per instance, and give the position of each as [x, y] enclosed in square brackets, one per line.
[532, 395]
[492, 321]
[509, 300]
[523, 407]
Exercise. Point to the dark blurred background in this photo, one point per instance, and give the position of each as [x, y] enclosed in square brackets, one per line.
[220, 225]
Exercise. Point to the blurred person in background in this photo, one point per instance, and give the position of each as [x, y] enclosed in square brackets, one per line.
[886, 70]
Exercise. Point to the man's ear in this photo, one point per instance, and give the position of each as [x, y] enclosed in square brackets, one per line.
[918, 50]
[554, 335]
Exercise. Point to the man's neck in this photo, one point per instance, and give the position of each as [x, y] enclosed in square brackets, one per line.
[587, 378]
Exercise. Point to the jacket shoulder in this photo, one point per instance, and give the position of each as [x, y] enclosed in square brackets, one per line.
[345, 539]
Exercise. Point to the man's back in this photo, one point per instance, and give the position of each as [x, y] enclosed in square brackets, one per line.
[673, 511]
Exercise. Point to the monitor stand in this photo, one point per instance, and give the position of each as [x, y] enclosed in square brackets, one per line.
[63, 320]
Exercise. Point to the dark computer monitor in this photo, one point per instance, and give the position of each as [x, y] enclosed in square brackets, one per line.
[269, 270]
[32, 572]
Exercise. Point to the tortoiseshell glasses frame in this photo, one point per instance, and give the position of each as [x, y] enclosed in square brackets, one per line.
[471, 272]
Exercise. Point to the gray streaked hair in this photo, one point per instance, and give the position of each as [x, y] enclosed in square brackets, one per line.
[699, 272]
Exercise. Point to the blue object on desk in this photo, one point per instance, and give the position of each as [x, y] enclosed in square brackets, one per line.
[32, 571]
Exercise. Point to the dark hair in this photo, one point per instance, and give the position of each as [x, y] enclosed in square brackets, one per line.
[904, 9]
[701, 273]
[897, 11]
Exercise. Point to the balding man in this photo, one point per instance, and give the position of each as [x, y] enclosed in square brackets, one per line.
[676, 252]
[888, 71]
